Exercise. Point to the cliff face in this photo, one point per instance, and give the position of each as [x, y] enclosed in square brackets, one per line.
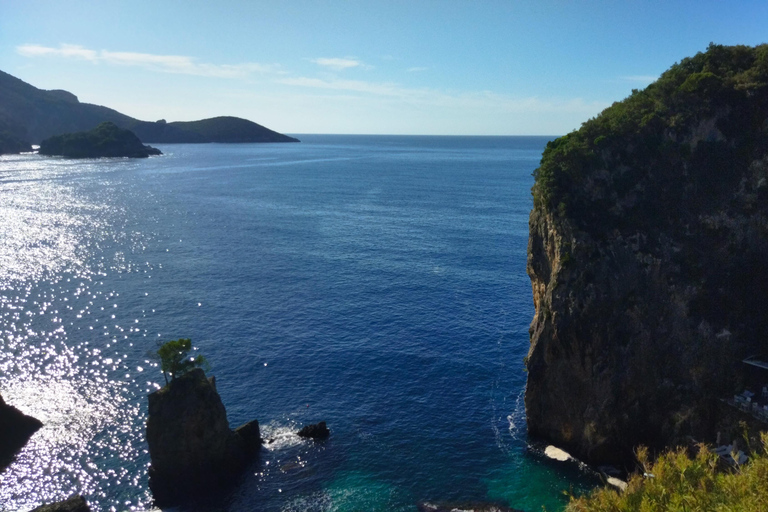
[648, 258]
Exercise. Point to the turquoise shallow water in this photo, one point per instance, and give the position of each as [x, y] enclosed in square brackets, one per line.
[377, 283]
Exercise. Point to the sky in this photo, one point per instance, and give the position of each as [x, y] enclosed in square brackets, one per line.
[440, 67]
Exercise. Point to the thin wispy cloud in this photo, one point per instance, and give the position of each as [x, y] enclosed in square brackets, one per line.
[179, 64]
[338, 64]
[449, 100]
[644, 79]
[380, 89]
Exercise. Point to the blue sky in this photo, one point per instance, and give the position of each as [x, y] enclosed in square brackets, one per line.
[400, 67]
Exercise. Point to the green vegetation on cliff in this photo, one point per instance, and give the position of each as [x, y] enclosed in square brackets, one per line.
[677, 482]
[706, 115]
[175, 360]
[106, 140]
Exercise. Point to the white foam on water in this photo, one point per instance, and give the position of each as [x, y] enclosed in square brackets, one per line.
[279, 436]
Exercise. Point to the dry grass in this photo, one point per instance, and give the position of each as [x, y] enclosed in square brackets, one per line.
[682, 484]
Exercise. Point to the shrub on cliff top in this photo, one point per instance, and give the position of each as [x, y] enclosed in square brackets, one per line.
[174, 359]
[640, 145]
[683, 484]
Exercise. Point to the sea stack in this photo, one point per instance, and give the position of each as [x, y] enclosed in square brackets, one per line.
[192, 449]
[648, 258]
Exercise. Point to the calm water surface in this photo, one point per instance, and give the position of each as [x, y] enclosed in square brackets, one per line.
[377, 283]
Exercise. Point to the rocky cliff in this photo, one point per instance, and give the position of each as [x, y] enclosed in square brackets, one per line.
[648, 258]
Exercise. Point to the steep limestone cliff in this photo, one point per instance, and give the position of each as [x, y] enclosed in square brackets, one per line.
[648, 258]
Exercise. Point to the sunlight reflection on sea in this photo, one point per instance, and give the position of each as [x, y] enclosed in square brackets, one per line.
[377, 283]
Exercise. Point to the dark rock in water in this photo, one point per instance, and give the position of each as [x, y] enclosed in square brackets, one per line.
[106, 140]
[74, 504]
[15, 430]
[192, 449]
[648, 258]
[468, 506]
[315, 431]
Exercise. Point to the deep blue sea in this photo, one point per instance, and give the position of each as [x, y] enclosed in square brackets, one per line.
[374, 282]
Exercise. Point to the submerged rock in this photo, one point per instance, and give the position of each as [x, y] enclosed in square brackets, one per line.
[470, 506]
[73, 504]
[15, 430]
[317, 431]
[648, 261]
[192, 449]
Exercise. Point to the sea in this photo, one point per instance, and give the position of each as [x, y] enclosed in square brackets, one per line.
[377, 283]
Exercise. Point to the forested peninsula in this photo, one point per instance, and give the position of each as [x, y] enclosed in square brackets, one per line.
[29, 115]
[648, 257]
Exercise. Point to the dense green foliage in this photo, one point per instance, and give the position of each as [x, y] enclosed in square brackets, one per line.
[106, 140]
[642, 145]
[684, 484]
[175, 360]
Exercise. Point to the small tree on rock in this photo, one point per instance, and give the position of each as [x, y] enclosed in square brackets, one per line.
[174, 359]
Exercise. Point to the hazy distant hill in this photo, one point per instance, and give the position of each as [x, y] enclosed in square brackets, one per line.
[32, 114]
[215, 129]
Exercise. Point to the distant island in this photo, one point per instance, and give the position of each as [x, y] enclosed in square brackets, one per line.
[106, 140]
[29, 115]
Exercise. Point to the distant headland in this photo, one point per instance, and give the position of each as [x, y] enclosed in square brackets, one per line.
[29, 115]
